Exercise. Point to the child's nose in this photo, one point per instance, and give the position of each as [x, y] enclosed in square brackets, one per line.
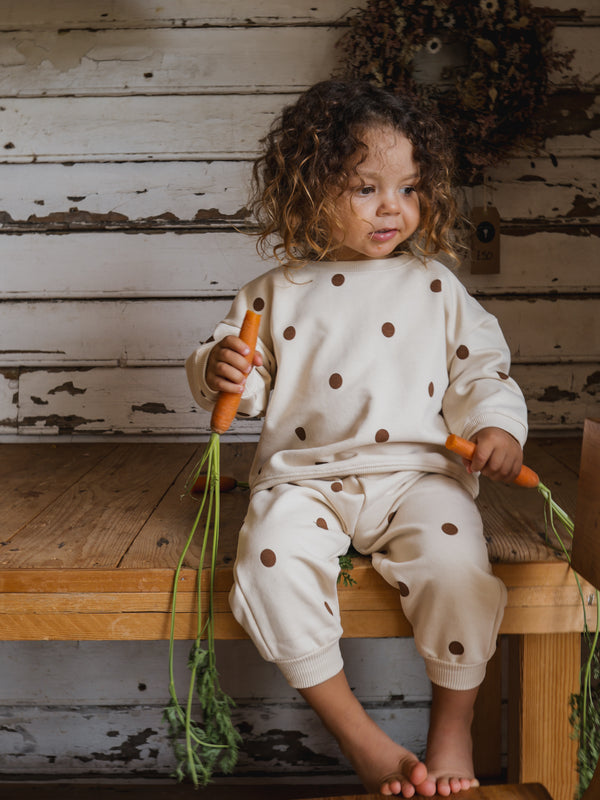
[390, 203]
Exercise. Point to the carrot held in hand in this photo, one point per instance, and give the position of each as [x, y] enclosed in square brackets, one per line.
[462, 447]
[228, 402]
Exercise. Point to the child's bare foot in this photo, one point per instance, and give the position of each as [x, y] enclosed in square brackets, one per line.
[382, 765]
[449, 745]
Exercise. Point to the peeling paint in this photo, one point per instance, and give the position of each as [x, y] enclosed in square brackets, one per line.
[153, 408]
[572, 114]
[553, 394]
[282, 747]
[592, 384]
[214, 213]
[69, 388]
[134, 748]
[74, 215]
[65, 424]
[584, 207]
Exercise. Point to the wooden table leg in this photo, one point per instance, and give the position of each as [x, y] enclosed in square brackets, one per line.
[487, 725]
[544, 672]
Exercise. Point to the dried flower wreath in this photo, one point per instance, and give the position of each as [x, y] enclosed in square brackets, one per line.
[493, 59]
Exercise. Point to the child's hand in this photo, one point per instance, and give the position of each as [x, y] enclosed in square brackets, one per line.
[227, 368]
[497, 455]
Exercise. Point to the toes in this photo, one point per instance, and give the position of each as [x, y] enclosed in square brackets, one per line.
[444, 787]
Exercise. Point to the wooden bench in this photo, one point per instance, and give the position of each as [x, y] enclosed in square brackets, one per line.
[90, 534]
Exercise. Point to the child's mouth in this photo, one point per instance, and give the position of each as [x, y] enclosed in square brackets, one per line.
[383, 235]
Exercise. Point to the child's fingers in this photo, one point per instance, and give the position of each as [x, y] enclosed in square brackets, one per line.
[501, 468]
[227, 367]
[497, 455]
[496, 463]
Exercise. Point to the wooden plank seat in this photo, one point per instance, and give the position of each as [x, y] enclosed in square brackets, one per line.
[90, 534]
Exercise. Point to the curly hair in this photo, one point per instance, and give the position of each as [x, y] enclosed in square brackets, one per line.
[304, 167]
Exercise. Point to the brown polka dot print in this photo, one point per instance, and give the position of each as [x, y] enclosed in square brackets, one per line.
[404, 590]
[431, 389]
[335, 380]
[436, 285]
[289, 333]
[382, 435]
[321, 523]
[462, 352]
[503, 375]
[338, 279]
[300, 433]
[268, 558]
[328, 607]
[336, 486]
[449, 529]
[456, 648]
[388, 329]
[258, 304]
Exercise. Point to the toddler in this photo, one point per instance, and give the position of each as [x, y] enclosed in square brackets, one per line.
[370, 352]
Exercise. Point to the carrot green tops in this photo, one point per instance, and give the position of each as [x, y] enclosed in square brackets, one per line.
[368, 365]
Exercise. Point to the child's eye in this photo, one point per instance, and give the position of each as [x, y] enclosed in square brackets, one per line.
[363, 191]
[407, 190]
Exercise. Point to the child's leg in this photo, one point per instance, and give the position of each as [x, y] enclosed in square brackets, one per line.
[285, 591]
[434, 551]
[381, 764]
[285, 596]
[449, 744]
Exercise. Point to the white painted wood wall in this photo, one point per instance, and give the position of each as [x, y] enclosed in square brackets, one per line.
[126, 130]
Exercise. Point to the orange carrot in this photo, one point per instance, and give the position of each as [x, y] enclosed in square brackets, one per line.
[527, 477]
[227, 403]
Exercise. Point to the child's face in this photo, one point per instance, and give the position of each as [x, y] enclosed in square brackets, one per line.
[380, 207]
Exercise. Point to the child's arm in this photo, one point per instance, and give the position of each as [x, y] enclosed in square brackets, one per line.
[497, 455]
[227, 369]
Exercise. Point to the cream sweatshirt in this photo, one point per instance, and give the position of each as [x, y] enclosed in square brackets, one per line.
[368, 365]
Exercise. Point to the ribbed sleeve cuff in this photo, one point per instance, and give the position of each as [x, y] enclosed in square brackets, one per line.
[493, 420]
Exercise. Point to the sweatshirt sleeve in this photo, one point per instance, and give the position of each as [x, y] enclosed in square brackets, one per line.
[480, 393]
[258, 385]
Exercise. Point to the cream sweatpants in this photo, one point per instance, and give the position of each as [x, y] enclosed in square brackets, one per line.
[425, 536]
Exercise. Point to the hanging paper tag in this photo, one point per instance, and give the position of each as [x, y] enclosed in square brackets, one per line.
[485, 241]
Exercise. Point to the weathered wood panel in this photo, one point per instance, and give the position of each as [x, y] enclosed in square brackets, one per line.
[210, 264]
[9, 386]
[146, 14]
[543, 191]
[157, 400]
[167, 61]
[128, 672]
[190, 60]
[150, 400]
[279, 739]
[208, 127]
[160, 195]
[136, 333]
[120, 265]
[121, 195]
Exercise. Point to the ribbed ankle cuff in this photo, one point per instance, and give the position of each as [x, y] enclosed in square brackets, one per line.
[311, 670]
[455, 676]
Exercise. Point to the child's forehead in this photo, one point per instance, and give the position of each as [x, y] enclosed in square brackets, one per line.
[382, 147]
